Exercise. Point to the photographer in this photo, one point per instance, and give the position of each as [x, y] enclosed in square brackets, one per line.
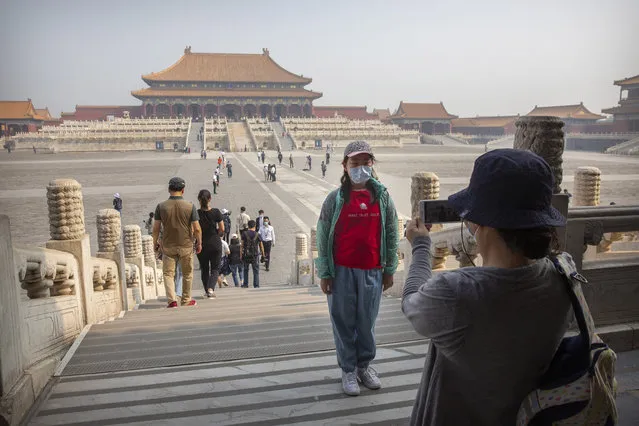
[494, 329]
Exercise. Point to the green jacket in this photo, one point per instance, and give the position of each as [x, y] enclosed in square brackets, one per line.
[329, 215]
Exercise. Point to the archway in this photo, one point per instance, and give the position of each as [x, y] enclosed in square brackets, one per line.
[161, 110]
[194, 111]
[280, 110]
[294, 110]
[178, 109]
[148, 110]
[265, 111]
[210, 110]
[232, 112]
[250, 110]
[308, 111]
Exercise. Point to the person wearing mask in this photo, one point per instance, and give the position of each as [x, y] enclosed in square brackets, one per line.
[235, 260]
[242, 220]
[212, 224]
[267, 236]
[180, 226]
[117, 202]
[357, 243]
[251, 249]
[493, 329]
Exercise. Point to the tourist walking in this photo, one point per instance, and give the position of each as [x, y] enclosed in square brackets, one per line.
[323, 167]
[251, 249]
[266, 173]
[272, 171]
[216, 181]
[290, 160]
[180, 225]
[212, 224]
[219, 161]
[226, 215]
[235, 260]
[263, 156]
[357, 242]
[267, 236]
[328, 156]
[496, 326]
[117, 202]
[242, 220]
[259, 220]
[148, 224]
[224, 266]
[280, 157]
[229, 168]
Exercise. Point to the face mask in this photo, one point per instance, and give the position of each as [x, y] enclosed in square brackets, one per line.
[469, 235]
[360, 174]
[266, 222]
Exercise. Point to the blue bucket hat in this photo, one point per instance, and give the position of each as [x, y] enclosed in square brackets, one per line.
[509, 189]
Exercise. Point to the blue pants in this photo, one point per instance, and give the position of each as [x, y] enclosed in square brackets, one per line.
[353, 305]
[235, 269]
[256, 273]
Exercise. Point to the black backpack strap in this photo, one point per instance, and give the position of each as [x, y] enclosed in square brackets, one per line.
[572, 279]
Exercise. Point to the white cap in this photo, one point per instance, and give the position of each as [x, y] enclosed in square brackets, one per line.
[116, 195]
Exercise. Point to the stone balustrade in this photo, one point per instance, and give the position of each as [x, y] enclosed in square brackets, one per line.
[46, 273]
[52, 293]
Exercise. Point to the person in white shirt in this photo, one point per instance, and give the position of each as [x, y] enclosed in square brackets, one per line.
[242, 220]
[267, 236]
[221, 278]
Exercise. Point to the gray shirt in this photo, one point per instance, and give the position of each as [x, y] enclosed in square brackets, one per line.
[493, 333]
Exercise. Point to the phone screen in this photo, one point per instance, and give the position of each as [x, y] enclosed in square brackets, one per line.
[437, 211]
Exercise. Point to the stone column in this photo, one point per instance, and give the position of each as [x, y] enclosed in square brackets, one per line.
[109, 225]
[133, 255]
[144, 109]
[302, 268]
[425, 186]
[12, 338]
[543, 136]
[66, 226]
[587, 186]
[149, 261]
[170, 110]
[155, 108]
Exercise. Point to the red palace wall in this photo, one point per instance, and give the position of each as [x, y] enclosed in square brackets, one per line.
[83, 113]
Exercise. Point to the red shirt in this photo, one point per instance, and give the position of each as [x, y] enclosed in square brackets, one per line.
[358, 233]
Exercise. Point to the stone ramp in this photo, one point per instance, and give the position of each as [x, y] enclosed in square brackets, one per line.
[285, 141]
[302, 389]
[239, 324]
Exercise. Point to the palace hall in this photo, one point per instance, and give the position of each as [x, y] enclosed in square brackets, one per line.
[226, 85]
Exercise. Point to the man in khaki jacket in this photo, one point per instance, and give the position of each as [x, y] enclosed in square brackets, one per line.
[180, 227]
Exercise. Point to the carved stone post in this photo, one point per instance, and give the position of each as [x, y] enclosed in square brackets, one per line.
[66, 226]
[587, 186]
[133, 255]
[544, 136]
[425, 186]
[12, 344]
[149, 261]
[109, 225]
[302, 267]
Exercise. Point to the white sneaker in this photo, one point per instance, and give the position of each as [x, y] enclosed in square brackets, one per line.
[349, 383]
[369, 378]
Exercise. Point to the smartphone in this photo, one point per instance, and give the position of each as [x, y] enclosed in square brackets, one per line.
[437, 211]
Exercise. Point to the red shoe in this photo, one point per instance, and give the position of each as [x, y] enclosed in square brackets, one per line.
[191, 303]
[172, 305]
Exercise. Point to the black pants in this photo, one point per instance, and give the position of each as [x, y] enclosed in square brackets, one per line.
[210, 259]
[227, 233]
[267, 253]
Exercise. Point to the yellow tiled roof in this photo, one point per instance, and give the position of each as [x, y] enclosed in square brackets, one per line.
[255, 93]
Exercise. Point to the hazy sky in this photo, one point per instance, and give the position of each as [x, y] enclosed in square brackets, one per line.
[478, 57]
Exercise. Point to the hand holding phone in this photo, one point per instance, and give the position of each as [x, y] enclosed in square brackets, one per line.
[437, 211]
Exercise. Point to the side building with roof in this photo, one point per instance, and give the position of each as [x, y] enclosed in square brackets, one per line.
[626, 113]
[432, 119]
[19, 117]
[577, 118]
[350, 112]
[228, 85]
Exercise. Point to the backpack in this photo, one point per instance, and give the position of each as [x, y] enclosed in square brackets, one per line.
[250, 251]
[117, 203]
[579, 387]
